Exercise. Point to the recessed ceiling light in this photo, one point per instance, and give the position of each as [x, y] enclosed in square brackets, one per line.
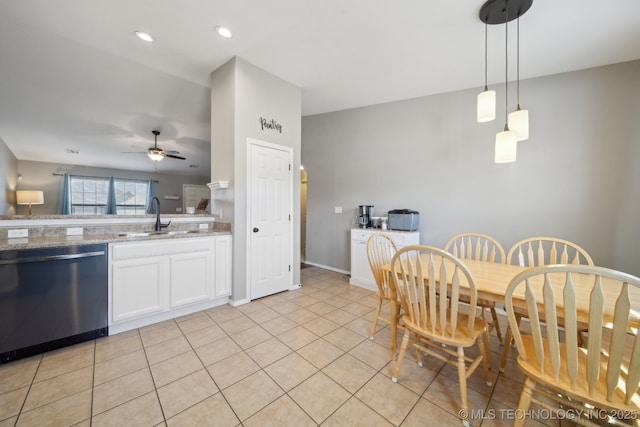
[224, 32]
[144, 36]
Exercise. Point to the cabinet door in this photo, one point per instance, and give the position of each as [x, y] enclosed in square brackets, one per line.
[139, 288]
[190, 278]
[360, 269]
[222, 268]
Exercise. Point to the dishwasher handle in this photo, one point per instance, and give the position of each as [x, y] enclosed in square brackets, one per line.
[51, 258]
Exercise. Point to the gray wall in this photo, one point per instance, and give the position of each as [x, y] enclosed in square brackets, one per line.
[40, 176]
[240, 94]
[575, 178]
[8, 180]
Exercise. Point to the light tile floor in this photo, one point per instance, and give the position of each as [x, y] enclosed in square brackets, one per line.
[299, 358]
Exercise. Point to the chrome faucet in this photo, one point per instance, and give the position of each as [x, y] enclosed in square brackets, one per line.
[159, 225]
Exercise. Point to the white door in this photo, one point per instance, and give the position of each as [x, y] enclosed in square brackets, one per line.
[270, 210]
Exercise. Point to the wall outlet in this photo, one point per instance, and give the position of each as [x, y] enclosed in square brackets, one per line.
[75, 231]
[203, 227]
[338, 209]
[18, 232]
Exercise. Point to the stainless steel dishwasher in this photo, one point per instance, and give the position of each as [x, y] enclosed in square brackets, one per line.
[51, 297]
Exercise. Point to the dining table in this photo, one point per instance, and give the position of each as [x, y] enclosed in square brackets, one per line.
[492, 279]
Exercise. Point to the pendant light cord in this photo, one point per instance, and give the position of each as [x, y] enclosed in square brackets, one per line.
[518, 63]
[486, 25]
[506, 66]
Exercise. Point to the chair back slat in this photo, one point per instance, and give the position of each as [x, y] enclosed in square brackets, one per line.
[596, 310]
[476, 246]
[551, 320]
[432, 304]
[606, 372]
[380, 249]
[532, 252]
[571, 329]
[616, 346]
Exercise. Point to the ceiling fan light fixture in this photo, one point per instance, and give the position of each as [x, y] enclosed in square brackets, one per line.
[224, 32]
[156, 156]
[144, 36]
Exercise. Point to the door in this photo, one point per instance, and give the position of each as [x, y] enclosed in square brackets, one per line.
[270, 210]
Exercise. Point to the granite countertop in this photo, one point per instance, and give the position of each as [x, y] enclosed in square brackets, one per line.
[53, 241]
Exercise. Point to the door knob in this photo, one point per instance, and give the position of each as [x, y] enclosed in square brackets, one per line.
[256, 229]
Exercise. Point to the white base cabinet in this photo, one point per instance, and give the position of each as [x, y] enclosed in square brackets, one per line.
[156, 280]
[361, 274]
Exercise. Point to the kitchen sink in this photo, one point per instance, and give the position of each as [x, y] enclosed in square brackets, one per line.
[155, 233]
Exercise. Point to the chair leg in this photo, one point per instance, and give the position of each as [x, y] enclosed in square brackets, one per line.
[525, 401]
[496, 324]
[486, 361]
[462, 379]
[403, 349]
[375, 319]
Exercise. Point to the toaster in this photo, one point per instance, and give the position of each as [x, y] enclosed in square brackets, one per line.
[404, 219]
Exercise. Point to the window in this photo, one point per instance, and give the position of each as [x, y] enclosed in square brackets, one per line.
[131, 196]
[90, 196]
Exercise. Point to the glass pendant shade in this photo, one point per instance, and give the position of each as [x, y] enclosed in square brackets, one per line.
[519, 123]
[486, 106]
[506, 146]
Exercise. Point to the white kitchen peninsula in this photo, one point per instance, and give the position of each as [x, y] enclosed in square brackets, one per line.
[361, 274]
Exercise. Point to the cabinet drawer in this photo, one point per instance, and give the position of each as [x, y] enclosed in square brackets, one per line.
[150, 248]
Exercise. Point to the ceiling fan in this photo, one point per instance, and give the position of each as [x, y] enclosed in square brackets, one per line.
[156, 153]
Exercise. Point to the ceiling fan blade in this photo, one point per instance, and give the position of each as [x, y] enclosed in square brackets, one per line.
[174, 156]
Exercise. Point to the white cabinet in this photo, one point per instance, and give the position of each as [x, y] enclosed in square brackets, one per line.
[155, 280]
[361, 274]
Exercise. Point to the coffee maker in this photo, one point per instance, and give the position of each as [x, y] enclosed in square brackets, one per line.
[365, 212]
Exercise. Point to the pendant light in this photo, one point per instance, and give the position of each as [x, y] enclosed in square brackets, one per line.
[506, 144]
[487, 98]
[519, 119]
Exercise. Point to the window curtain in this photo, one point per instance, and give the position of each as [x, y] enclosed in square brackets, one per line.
[111, 197]
[149, 196]
[64, 200]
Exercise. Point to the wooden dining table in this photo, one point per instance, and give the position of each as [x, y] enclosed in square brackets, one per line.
[491, 280]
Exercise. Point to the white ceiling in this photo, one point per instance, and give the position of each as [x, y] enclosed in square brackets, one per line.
[73, 75]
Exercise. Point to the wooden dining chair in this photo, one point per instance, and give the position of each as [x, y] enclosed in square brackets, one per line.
[598, 381]
[538, 251]
[380, 249]
[480, 247]
[433, 320]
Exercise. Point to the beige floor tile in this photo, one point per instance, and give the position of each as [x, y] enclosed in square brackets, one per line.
[344, 338]
[340, 316]
[167, 349]
[11, 402]
[59, 387]
[507, 391]
[119, 366]
[445, 393]
[250, 337]
[290, 371]
[164, 324]
[320, 353]
[392, 401]
[357, 309]
[279, 325]
[143, 411]
[263, 315]
[354, 413]
[262, 389]
[321, 308]
[18, 374]
[117, 347]
[349, 372]
[217, 350]
[425, 410]
[319, 405]
[9, 422]
[195, 323]
[205, 336]
[232, 369]
[267, 352]
[361, 326]
[236, 325]
[411, 375]
[320, 326]
[372, 353]
[337, 301]
[304, 300]
[476, 381]
[285, 307]
[123, 389]
[213, 408]
[224, 313]
[66, 411]
[272, 300]
[251, 307]
[175, 368]
[65, 360]
[301, 316]
[282, 412]
[297, 337]
[186, 392]
[157, 335]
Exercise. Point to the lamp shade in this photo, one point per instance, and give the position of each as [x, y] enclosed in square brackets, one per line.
[519, 123]
[29, 197]
[486, 106]
[506, 147]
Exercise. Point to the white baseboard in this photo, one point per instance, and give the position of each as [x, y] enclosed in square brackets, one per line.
[235, 303]
[326, 267]
[296, 286]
